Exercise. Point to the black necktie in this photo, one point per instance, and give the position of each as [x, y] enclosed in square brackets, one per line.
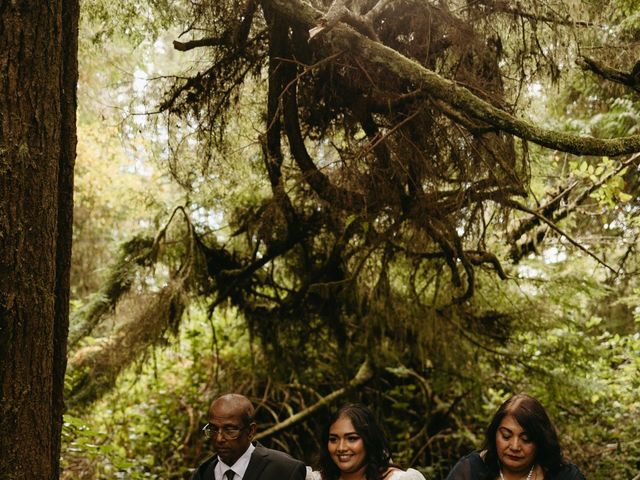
[229, 474]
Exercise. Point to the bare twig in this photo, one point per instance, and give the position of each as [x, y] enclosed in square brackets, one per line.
[553, 226]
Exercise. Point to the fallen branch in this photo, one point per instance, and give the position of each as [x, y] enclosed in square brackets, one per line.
[365, 373]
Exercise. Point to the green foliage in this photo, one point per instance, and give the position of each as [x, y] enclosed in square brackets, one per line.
[88, 452]
[146, 419]
[586, 375]
[136, 20]
[283, 294]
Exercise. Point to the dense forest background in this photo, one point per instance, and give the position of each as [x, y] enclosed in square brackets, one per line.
[407, 209]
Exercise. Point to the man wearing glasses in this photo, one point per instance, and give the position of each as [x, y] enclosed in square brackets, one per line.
[231, 428]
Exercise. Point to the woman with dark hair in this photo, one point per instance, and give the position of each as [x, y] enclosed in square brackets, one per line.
[520, 443]
[354, 448]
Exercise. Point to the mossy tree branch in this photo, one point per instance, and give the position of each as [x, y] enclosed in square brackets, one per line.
[453, 94]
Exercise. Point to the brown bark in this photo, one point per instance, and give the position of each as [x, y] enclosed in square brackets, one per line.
[38, 60]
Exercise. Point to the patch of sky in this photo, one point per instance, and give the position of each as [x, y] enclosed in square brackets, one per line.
[207, 217]
[535, 89]
[554, 255]
[140, 81]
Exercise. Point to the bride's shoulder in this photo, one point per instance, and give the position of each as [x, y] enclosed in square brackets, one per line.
[312, 475]
[409, 474]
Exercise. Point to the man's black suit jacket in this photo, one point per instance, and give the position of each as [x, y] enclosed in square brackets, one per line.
[265, 464]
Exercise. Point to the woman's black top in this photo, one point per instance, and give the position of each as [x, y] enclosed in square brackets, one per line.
[472, 467]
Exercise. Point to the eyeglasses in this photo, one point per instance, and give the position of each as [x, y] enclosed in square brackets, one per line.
[228, 433]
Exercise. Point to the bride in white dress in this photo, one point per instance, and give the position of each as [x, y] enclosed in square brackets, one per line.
[354, 448]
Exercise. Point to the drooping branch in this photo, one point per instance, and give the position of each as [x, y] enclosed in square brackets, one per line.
[549, 209]
[236, 35]
[271, 142]
[94, 369]
[312, 175]
[631, 79]
[477, 257]
[277, 51]
[461, 98]
[189, 90]
[134, 254]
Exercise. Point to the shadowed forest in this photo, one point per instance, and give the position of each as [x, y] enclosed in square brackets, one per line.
[420, 205]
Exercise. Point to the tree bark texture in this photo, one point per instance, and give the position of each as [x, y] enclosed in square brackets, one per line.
[38, 65]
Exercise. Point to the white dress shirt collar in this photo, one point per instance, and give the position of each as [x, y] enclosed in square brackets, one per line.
[238, 468]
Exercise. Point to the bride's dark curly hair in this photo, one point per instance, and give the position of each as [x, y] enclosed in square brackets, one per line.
[377, 455]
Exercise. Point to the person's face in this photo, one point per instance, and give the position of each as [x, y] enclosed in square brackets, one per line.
[346, 447]
[516, 451]
[227, 416]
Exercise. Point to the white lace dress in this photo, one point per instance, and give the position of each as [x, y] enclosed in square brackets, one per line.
[409, 474]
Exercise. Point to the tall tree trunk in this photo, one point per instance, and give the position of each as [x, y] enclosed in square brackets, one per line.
[38, 61]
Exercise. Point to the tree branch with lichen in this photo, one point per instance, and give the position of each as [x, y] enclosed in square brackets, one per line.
[452, 93]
